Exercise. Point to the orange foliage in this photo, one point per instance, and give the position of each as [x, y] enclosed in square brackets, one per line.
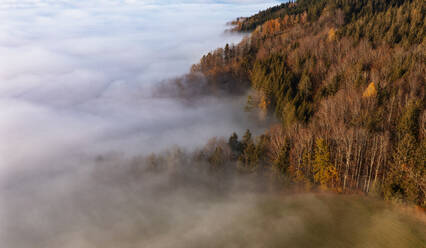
[331, 34]
[271, 27]
[370, 91]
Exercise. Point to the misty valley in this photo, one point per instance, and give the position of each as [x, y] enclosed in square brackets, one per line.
[204, 123]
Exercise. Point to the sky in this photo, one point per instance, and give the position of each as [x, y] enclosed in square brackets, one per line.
[75, 77]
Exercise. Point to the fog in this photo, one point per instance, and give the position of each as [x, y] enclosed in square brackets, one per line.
[76, 83]
[76, 77]
[78, 115]
[117, 202]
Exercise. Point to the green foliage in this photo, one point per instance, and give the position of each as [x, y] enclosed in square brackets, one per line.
[381, 21]
[409, 122]
[289, 95]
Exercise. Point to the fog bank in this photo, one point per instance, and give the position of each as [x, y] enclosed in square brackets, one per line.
[75, 77]
[76, 81]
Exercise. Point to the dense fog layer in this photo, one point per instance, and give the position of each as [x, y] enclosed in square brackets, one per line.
[76, 84]
[75, 77]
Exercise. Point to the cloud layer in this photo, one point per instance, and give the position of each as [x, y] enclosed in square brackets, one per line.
[75, 76]
[75, 84]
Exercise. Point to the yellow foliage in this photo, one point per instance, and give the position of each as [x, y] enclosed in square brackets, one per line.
[263, 103]
[331, 34]
[370, 91]
[324, 171]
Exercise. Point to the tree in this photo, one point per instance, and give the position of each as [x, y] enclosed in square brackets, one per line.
[227, 53]
[217, 159]
[235, 145]
[324, 171]
[409, 122]
[248, 160]
[282, 162]
[247, 140]
[406, 179]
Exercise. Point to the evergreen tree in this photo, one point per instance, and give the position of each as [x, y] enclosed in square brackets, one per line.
[235, 145]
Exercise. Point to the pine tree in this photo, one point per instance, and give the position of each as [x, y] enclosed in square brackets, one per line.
[235, 145]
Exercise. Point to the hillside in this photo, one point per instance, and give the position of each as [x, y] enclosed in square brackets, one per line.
[346, 81]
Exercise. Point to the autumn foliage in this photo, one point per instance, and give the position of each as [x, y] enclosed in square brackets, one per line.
[346, 81]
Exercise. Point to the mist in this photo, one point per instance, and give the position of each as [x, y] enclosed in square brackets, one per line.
[77, 77]
[127, 202]
[77, 82]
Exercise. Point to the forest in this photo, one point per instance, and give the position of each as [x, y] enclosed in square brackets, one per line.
[345, 81]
